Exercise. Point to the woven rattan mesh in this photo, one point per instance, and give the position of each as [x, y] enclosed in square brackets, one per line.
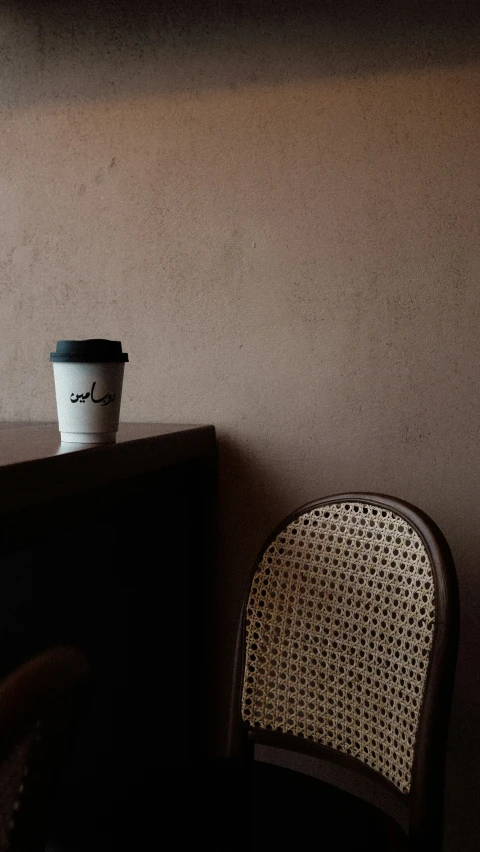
[340, 622]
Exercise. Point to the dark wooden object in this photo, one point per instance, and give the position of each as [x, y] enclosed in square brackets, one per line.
[111, 548]
[41, 703]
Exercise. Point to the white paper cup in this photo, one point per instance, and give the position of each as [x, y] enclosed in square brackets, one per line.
[88, 393]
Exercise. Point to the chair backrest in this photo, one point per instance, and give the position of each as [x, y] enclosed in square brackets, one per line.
[348, 646]
[39, 703]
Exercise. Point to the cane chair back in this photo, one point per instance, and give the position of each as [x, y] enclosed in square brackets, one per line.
[349, 643]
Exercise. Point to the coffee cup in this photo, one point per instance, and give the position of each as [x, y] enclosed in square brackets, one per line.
[88, 377]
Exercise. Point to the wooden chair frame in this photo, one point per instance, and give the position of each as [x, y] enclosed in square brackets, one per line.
[420, 812]
[39, 704]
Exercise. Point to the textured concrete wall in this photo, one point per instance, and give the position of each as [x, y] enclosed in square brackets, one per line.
[276, 210]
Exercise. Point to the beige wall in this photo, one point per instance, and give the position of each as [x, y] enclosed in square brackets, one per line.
[278, 216]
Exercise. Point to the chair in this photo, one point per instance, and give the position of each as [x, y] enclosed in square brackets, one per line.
[344, 677]
[39, 703]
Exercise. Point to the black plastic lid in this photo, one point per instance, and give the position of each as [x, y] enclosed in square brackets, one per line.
[90, 351]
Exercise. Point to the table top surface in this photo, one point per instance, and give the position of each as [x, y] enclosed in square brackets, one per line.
[35, 466]
[22, 442]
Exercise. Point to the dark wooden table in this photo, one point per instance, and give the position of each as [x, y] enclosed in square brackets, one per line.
[112, 548]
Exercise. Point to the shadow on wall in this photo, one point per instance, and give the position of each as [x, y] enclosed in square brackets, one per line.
[252, 497]
[100, 49]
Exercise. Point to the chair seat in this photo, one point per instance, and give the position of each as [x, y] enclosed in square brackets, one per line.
[273, 808]
[296, 811]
